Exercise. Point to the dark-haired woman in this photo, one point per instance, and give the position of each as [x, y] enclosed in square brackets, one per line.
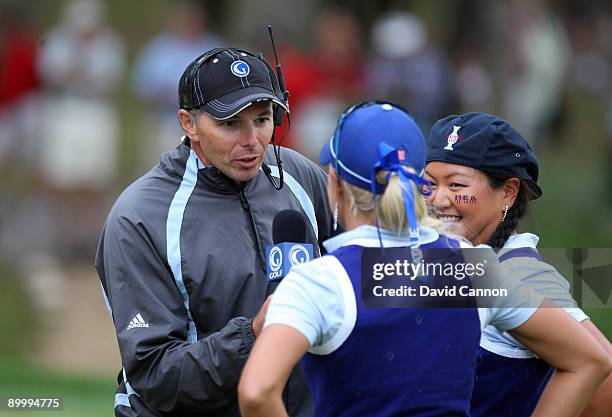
[483, 175]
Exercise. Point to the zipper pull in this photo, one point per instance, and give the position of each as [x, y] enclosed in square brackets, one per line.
[243, 200]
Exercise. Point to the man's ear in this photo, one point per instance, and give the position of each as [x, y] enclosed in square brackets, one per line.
[188, 123]
[511, 189]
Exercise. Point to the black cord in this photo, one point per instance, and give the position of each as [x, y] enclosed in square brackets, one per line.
[280, 142]
[279, 162]
[266, 169]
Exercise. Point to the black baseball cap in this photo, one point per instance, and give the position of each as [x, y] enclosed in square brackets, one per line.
[484, 142]
[226, 82]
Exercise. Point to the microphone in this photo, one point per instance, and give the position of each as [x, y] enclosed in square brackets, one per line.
[290, 247]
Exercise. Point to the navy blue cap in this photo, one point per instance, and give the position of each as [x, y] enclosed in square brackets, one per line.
[353, 149]
[484, 142]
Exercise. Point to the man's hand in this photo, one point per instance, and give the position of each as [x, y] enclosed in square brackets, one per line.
[258, 321]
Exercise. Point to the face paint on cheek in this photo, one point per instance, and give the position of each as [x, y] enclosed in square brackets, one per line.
[465, 199]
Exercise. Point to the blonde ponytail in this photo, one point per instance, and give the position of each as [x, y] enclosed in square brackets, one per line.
[391, 211]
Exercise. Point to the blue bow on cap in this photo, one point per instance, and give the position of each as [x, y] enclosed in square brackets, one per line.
[389, 161]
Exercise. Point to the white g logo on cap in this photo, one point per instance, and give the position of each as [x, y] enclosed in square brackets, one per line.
[275, 259]
[240, 68]
[298, 255]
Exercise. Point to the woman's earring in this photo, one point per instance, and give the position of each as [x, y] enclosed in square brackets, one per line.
[336, 216]
[505, 213]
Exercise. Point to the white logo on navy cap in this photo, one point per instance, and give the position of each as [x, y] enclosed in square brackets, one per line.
[240, 68]
[452, 138]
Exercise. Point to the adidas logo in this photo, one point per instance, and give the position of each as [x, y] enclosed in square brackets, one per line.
[137, 322]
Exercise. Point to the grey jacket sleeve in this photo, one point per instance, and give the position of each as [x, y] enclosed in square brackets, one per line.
[162, 367]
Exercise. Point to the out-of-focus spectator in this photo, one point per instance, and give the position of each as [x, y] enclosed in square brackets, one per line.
[338, 77]
[540, 56]
[159, 66]
[81, 62]
[18, 85]
[338, 54]
[590, 29]
[467, 53]
[19, 112]
[473, 84]
[408, 69]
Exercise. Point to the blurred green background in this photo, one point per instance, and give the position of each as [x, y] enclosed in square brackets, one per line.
[57, 338]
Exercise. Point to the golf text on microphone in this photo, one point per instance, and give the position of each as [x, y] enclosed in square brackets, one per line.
[283, 256]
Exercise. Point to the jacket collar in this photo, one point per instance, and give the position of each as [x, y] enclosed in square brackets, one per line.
[367, 236]
[522, 240]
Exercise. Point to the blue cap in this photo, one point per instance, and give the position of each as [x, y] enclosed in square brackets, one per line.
[484, 142]
[353, 149]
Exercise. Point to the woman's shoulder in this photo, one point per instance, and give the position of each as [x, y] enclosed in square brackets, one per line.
[443, 239]
[319, 268]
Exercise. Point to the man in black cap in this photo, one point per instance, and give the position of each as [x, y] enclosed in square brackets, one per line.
[182, 254]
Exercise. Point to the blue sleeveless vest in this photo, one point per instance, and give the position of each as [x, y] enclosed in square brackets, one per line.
[509, 386]
[397, 361]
